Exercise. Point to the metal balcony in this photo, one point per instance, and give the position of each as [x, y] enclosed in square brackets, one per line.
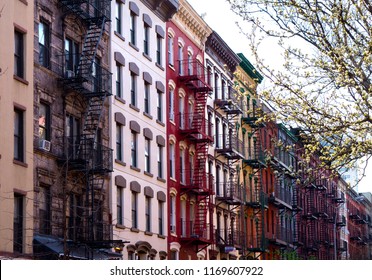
[229, 146]
[230, 193]
[281, 197]
[196, 127]
[229, 239]
[198, 183]
[86, 155]
[255, 157]
[230, 101]
[95, 81]
[283, 236]
[190, 233]
[193, 74]
[256, 199]
[88, 10]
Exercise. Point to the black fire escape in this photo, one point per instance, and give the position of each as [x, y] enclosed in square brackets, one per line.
[229, 146]
[256, 200]
[83, 153]
[198, 130]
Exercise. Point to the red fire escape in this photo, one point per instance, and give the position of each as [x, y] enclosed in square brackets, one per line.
[197, 130]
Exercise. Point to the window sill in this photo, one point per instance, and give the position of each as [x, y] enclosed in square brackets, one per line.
[161, 179]
[160, 122]
[149, 233]
[134, 107]
[24, 2]
[161, 236]
[122, 163]
[19, 79]
[133, 46]
[135, 168]
[159, 66]
[147, 115]
[171, 67]
[120, 226]
[147, 56]
[134, 229]
[172, 121]
[148, 174]
[120, 99]
[20, 163]
[121, 37]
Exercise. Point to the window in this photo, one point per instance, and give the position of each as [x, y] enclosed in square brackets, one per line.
[148, 213]
[146, 40]
[180, 58]
[118, 17]
[134, 210]
[182, 166]
[170, 50]
[171, 161]
[216, 85]
[119, 205]
[218, 133]
[161, 217]
[147, 155]
[44, 121]
[133, 90]
[44, 210]
[71, 58]
[72, 135]
[119, 75]
[189, 64]
[18, 223]
[159, 107]
[160, 161]
[44, 43]
[18, 135]
[147, 98]
[159, 42]
[172, 212]
[134, 149]
[171, 104]
[75, 214]
[119, 142]
[19, 54]
[133, 29]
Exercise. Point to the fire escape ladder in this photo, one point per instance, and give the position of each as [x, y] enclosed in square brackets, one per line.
[93, 116]
[89, 51]
[94, 197]
[201, 229]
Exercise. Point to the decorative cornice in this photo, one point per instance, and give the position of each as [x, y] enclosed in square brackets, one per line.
[249, 68]
[192, 23]
[217, 46]
[164, 9]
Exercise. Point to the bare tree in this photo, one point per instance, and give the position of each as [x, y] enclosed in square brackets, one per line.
[324, 86]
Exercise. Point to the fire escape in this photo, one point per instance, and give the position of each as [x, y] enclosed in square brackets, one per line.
[83, 153]
[309, 228]
[229, 146]
[256, 200]
[197, 130]
[282, 197]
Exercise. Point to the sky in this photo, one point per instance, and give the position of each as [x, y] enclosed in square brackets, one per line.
[217, 14]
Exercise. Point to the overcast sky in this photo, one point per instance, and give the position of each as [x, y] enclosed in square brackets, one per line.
[220, 18]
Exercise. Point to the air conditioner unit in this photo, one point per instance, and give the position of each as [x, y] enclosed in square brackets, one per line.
[45, 145]
[70, 74]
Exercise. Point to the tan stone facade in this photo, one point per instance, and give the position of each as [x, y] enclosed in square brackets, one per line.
[16, 114]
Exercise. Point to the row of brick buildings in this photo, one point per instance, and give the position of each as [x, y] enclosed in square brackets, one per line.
[137, 135]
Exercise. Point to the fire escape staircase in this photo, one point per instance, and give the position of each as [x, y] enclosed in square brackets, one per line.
[197, 130]
[94, 84]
